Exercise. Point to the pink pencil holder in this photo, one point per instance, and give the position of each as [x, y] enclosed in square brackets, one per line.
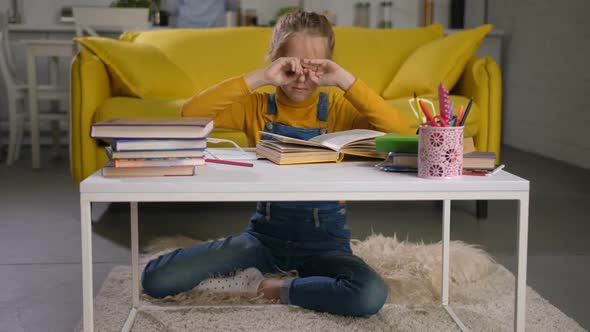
[440, 152]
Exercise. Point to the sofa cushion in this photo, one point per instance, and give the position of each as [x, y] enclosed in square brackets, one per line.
[471, 125]
[139, 70]
[375, 55]
[441, 60]
[209, 56]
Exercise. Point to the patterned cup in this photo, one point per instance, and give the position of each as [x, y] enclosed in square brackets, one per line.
[440, 152]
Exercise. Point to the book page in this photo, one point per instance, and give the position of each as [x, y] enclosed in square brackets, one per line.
[336, 141]
[291, 140]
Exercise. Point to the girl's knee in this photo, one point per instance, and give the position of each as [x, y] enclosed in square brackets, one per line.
[370, 298]
[154, 282]
[157, 279]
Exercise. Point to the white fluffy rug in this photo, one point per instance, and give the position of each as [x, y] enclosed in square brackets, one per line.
[482, 294]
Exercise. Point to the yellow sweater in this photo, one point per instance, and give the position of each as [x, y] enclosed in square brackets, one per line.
[233, 105]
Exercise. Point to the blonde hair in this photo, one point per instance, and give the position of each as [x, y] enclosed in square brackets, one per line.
[309, 23]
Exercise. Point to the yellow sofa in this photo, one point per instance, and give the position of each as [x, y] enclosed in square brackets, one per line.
[152, 73]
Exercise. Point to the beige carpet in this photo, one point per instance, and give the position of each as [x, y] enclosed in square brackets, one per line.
[482, 294]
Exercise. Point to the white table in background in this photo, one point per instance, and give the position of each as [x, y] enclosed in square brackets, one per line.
[33, 49]
[353, 181]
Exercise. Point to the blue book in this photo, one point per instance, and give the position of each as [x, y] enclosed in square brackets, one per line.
[121, 145]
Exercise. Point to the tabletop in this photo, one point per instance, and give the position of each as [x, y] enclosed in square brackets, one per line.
[265, 176]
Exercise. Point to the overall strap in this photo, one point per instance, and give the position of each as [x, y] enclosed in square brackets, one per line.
[322, 109]
[271, 108]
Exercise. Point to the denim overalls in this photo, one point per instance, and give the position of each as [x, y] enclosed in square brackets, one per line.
[307, 236]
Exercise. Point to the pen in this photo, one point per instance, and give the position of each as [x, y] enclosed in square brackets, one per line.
[496, 170]
[466, 112]
[229, 162]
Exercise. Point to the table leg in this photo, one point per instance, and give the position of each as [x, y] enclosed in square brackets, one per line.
[86, 237]
[445, 251]
[134, 266]
[523, 228]
[446, 243]
[33, 110]
[135, 252]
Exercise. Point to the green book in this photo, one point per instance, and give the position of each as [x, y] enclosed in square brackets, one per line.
[394, 142]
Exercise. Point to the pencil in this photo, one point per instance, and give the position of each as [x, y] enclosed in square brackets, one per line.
[467, 109]
[229, 162]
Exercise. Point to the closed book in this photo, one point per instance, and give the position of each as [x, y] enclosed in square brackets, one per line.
[180, 127]
[110, 171]
[154, 154]
[402, 160]
[330, 147]
[394, 142]
[158, 144]
[126, 163]
[473, 160]
[479, 160]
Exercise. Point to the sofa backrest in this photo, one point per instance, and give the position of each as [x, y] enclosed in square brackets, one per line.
[208, 56]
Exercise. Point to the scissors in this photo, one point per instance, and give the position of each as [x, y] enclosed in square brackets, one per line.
[413, 104]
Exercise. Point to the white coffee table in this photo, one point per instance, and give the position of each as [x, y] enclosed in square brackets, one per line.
[353, 181]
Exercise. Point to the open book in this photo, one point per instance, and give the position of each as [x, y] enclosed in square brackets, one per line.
[331, 147]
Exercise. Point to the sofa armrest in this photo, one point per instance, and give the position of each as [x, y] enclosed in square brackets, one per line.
[89, 87]
[482, 80]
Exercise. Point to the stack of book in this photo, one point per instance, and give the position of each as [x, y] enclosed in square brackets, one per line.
[403, 157]
[474, 163]
[153, 146]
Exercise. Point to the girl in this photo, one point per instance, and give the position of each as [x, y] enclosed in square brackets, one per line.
[309, 237]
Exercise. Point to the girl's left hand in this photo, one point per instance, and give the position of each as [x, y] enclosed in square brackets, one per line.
[324, 72]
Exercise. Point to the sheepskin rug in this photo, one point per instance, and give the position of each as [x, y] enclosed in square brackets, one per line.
[411, 270]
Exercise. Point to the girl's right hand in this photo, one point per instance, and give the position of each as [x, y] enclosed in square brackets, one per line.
[283, 71]
[280, 72]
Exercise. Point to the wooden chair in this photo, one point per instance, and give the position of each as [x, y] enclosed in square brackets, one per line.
[16, 98]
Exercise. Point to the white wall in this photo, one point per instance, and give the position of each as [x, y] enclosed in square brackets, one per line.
[546, 77]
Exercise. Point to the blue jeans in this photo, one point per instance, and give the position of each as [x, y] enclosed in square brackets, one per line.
[280, 237]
